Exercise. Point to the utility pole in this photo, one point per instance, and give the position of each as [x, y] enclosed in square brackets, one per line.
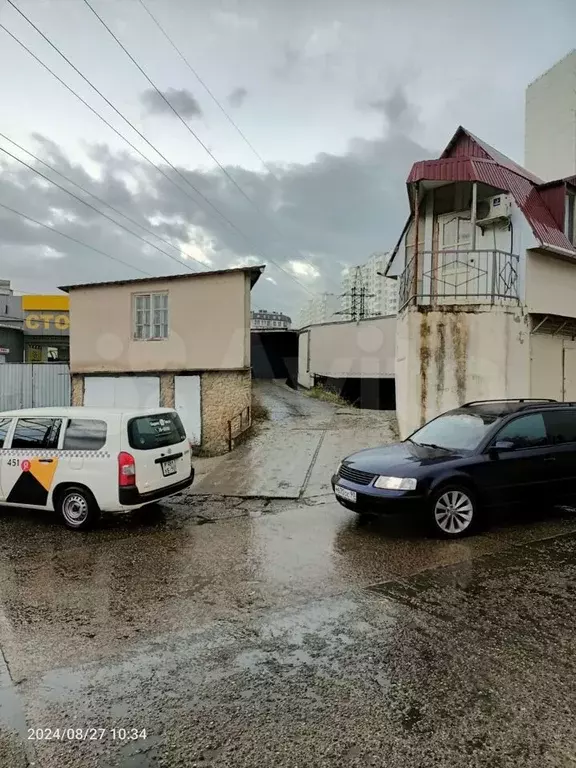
[358, 295]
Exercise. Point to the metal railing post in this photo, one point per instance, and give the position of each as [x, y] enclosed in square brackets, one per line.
[494, 256]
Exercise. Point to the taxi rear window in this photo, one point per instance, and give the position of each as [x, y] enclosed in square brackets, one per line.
[156, 431]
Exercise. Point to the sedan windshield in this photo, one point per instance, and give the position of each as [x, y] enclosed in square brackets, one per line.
[455, 431]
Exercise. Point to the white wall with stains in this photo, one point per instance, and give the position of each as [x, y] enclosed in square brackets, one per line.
[445, 358]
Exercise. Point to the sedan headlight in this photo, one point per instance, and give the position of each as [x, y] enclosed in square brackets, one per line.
[395, 483]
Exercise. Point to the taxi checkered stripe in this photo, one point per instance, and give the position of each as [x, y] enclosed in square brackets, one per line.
[54, 454]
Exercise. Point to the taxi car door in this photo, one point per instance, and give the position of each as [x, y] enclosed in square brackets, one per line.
[30, 463]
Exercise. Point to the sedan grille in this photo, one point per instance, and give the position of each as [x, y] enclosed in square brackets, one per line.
[356, 475]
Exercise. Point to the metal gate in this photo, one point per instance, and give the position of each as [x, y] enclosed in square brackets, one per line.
[31, 385]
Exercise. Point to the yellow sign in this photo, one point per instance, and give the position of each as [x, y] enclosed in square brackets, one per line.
[46, 321]
[43, 303]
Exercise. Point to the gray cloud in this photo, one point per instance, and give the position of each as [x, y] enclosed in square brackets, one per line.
[400, 114]
[335, 210]
[237, 97]
[180, 98]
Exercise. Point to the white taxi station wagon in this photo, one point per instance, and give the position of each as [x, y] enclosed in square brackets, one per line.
[81, 461]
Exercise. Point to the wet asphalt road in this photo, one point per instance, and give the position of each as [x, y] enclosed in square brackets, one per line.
[253, 632]
[287, 636]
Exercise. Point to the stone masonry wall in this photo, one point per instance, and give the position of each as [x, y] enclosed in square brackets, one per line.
[224, 394]
[77, 389]
[167, 390]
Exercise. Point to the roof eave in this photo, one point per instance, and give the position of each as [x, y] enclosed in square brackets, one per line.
[254, 273]
[571, 254]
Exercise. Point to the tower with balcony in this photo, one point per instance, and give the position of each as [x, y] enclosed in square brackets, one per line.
[486, 266]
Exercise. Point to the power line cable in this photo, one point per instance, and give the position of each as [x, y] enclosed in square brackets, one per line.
[208, 91]
[101, 201]
[92, 207]
[95, 112]
[117, 111]
[192, 132]
[74, 239]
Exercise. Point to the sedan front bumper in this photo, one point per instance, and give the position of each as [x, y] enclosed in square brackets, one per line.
[379, 501]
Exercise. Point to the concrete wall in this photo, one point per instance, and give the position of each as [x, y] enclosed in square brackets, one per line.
[550, 136]
[550, 285]
[209, 326]
[349, 350]
[445, 358]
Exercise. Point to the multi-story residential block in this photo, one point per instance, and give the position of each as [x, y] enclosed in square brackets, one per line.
[263, 320]
[366, 292]
[324, 308]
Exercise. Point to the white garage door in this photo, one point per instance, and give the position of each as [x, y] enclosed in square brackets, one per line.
[122, 391]
[187, 401]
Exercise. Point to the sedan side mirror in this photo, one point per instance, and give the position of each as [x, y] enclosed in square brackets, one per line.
[501, 446]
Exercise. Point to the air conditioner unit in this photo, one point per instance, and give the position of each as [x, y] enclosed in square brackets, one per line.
[495, 210]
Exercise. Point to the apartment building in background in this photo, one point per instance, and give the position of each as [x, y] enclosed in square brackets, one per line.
[263, 320]
[366, 292]
[323, 308]
[550, 130]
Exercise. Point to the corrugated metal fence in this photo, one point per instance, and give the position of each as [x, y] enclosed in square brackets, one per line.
[30, 385]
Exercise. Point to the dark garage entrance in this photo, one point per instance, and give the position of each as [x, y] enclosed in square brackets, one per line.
[275, 355]
[378, 394]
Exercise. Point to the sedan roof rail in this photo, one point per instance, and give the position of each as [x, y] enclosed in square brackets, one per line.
[512, 400]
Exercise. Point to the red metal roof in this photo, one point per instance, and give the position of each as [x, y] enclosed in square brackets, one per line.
[467, 158]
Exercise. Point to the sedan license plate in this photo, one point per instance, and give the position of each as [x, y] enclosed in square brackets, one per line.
[169, 467]
[345, 493]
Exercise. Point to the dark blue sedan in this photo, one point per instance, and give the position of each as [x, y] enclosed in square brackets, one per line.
[483, 454]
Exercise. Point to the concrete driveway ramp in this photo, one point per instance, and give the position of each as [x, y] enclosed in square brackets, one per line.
[296, 451]
[267, 466]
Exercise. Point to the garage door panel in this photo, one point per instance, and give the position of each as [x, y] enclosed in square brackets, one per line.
[122, 391]
[187, 402]
[546, 366]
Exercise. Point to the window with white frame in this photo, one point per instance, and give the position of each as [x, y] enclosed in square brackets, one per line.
[150, 316]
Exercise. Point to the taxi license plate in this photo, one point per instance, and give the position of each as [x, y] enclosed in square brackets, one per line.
[169, 467]
[345, 493]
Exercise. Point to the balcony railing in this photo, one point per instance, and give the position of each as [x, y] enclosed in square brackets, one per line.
[459, 277]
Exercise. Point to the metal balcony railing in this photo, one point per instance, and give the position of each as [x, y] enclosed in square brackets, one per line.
[459, 277]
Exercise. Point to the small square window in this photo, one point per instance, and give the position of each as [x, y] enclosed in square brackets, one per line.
[150, 316]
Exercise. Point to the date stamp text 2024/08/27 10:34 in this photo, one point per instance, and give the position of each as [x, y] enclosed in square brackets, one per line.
[86, 734]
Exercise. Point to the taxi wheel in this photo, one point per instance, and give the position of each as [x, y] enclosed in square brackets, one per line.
[78, 507]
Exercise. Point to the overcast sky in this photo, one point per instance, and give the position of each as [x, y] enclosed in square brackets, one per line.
[338, 98]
